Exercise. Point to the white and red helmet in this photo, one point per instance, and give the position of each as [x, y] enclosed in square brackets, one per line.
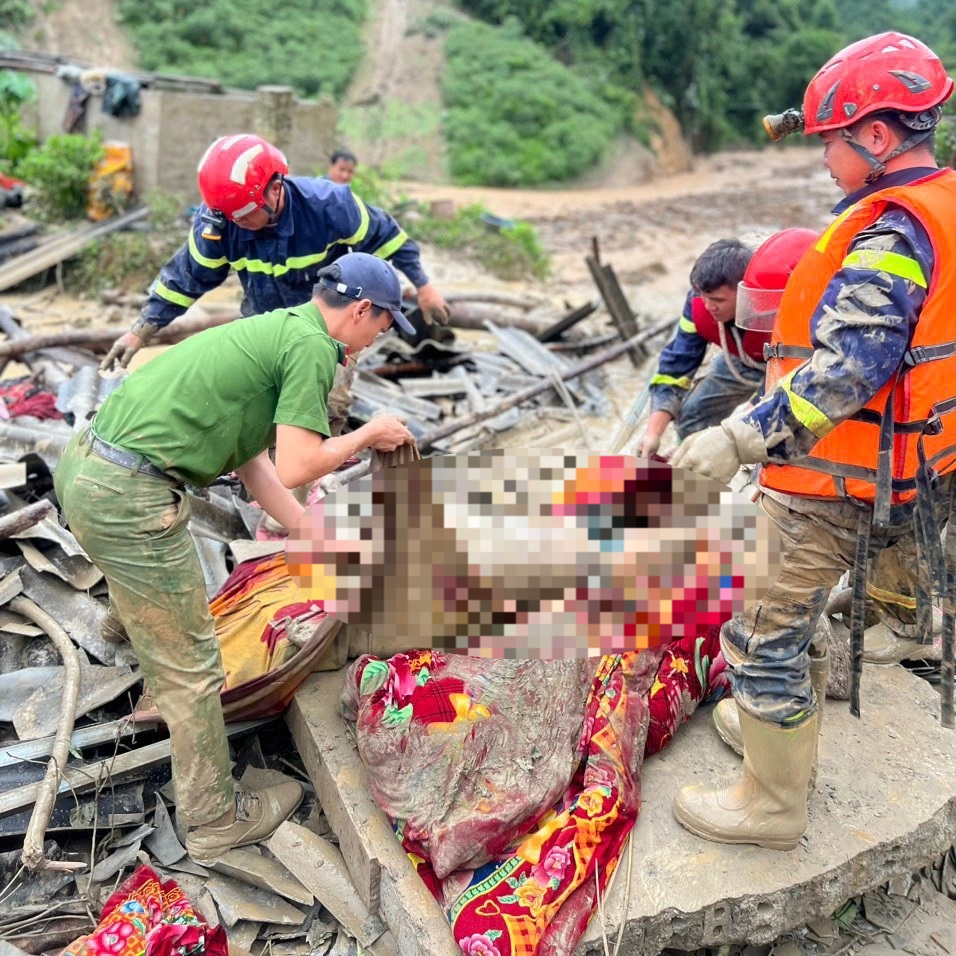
[235, 172]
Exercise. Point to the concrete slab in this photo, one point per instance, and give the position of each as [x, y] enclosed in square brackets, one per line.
[384, 878]
[885, 804]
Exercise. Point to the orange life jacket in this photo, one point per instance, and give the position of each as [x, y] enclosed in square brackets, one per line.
[910, 418]
[753, 342]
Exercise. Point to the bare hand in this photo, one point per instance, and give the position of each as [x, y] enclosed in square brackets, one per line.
[389, 433]
[124, 348]
[433, 305]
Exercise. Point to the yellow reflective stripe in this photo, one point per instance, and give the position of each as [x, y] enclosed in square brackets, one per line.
[280, 268]
[363, 225]
[200, 258]
[392, 246]
[177, 298]
[827, 234]
[805, 412]
[891, 597]
[686, 325]
[903, 266]
[683, 382]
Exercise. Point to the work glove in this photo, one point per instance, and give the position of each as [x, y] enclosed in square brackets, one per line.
[648, 445]
[718, 452]
[128, 344]
[433, 305]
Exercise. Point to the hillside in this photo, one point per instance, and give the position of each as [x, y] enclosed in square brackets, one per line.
[392, 113]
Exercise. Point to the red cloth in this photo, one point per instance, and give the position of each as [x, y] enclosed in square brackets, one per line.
[149, 917]
[27, 398]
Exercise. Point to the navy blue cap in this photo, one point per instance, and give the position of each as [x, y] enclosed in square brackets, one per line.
[368, 277]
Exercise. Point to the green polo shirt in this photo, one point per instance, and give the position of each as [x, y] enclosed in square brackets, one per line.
[211, 403]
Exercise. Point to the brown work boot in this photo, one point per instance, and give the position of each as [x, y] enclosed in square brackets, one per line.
[727, 719]
[768, 806]
[255, 816]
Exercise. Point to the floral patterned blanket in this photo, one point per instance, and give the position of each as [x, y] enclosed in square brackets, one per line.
[513, 785]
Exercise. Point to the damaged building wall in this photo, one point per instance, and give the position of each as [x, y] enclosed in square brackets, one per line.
[173, 128]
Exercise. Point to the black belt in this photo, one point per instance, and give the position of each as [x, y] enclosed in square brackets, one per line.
[128, 459]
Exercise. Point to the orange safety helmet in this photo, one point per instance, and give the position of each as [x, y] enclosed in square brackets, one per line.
[761, 289]
[889, 71]
[235, 172]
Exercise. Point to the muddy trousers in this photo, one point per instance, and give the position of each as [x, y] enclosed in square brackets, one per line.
[767, 647]
[716, 395]
[135, 529]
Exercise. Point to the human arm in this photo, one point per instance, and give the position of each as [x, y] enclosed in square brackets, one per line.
[197, 267]
[262, 481]
[304, 456]
[679, 361]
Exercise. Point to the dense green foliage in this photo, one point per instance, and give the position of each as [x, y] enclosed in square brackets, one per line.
[719, 64]
[60, 170]
[16, 142]
[312, 45]
[529, 120]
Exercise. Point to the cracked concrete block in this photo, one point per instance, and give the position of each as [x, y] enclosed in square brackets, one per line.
[884, 805]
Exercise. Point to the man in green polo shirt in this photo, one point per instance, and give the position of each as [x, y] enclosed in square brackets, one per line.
[213, 404]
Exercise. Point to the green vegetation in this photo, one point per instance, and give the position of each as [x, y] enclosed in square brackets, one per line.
[131, 260]
[60, 170]
[313, 46]
[15, 14]
[510, 252]
[527, 120]
[16, 142]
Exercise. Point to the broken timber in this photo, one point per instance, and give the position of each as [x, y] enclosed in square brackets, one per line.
[384, 878]
[573, 371]
[102, 338]
[58, 249]
[614, 299]
[566, 322]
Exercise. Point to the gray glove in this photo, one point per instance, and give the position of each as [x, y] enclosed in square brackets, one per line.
[718, 452]
[128, 344]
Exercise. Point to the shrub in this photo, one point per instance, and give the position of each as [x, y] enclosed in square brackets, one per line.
[60, 170]
[516, 117]
[16, 142]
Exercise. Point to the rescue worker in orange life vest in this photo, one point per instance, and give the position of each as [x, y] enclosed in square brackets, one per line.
[734, 376]
[862, 334]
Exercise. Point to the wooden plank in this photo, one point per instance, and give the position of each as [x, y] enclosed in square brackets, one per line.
[383, 875]
[56, 250]
[567, 321]
[617, 306]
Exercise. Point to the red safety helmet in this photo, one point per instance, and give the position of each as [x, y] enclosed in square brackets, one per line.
[235, 172]
[761, 289]
[889, 71]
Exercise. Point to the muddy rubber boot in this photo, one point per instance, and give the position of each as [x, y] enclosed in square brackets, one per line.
[882, 645]
[727, 721]
[768, 806]
[255, 816]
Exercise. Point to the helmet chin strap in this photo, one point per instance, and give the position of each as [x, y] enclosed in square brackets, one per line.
[274, 211]
[922, 124]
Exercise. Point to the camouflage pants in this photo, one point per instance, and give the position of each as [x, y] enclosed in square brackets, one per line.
[134, 528]
[767, 647]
